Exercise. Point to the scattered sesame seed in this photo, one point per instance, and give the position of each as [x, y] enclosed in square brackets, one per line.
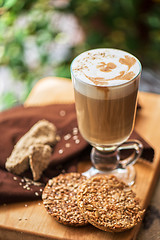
[36, 193]
[39, 203]
[62, 113]
[75, 137]
[26, 205]
[40, 189]
[77, 141]
[14, 178]
[60, 151]
[67, 136]
[31, 182]
[28, 188]
[19, 219]
[67, 145]
[58, 138]
[22, 180]
[26, 219]
[20, 184]
[75, 131]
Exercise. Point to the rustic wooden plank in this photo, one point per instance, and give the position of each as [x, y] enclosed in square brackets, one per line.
[35, 223]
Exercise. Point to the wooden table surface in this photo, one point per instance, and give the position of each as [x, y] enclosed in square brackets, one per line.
[36, 224]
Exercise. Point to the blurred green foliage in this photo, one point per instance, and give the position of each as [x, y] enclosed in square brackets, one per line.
[35, 26]
[131, 25]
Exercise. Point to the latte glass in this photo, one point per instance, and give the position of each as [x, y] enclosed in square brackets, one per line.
[105, 90]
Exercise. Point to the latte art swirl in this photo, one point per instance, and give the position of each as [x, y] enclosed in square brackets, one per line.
[105, 67]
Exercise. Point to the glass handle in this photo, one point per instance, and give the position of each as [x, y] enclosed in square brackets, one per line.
[135, 147]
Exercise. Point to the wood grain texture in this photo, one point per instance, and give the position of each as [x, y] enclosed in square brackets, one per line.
[35, 223]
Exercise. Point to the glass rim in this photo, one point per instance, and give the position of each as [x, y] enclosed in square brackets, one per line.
[114, 86]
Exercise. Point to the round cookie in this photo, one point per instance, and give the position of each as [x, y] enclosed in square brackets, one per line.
[60, 199]
[109, 204]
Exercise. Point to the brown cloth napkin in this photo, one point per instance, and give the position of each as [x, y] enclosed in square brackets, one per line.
[14, 123]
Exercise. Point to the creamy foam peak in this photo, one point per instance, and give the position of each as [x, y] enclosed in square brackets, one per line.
[105, 67]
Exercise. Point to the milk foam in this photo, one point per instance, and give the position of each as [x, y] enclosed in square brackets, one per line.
[105, 67]
[95, 69]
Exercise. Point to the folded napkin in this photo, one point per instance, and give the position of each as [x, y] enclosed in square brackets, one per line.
[71, 148]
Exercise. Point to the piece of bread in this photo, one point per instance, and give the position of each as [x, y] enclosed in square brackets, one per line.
[43, 132]
[39, 159]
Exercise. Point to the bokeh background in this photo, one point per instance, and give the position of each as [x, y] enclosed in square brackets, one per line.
[40, 38]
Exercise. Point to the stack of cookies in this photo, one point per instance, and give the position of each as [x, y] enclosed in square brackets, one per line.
[103, 201]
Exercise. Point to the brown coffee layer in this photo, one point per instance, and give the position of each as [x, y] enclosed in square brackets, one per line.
[108, 121]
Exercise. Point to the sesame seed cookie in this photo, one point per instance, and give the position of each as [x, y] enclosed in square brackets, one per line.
[60, 199]
[109, 204]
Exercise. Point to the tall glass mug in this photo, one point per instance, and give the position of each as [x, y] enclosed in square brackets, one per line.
[106, 84]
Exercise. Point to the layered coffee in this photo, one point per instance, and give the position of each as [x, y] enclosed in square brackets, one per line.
[106, 84]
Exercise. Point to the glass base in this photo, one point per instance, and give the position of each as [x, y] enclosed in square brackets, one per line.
[127, 175]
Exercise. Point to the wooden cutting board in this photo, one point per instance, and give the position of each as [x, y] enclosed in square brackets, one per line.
[30, 220]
